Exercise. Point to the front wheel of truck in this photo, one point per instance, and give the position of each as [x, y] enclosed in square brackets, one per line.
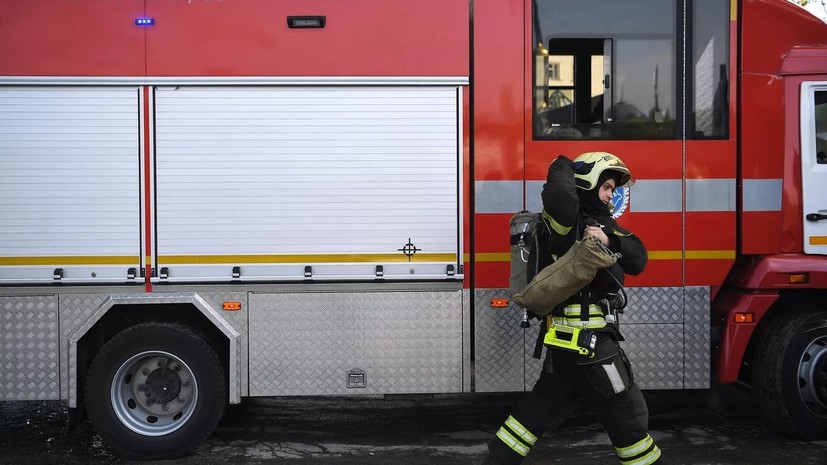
[790, 375]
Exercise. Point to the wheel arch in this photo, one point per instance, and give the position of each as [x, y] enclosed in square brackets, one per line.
[789, 301]
[787, 365]
[119, 312]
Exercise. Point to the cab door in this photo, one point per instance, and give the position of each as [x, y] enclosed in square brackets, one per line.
[814, 166]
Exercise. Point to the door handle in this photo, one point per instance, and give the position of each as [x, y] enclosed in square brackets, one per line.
[816, 217]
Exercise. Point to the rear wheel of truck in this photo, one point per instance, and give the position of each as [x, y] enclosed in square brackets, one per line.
[155, 390]
[790, 376]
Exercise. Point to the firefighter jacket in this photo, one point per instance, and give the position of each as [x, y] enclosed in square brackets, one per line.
[567, 210]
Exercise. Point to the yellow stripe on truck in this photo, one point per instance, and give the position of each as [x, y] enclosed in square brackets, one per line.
[304, 258]
[69, 260]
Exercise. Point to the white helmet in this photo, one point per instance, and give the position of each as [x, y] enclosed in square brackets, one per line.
[589, 166]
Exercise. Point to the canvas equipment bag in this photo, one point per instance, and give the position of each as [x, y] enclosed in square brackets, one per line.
[565, 277]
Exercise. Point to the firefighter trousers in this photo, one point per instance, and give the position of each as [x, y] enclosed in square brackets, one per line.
[604, 382]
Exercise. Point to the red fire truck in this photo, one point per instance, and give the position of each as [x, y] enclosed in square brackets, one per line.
[206, 200]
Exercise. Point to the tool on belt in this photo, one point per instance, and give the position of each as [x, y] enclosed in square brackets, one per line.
[579, 336]
[580, 340]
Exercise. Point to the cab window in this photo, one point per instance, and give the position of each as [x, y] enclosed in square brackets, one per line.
[709, 86]
[821, 127]
[616, 70]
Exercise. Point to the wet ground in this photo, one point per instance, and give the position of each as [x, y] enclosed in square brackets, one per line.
[692, 427]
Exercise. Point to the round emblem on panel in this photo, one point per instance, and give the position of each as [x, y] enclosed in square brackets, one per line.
[620, 200]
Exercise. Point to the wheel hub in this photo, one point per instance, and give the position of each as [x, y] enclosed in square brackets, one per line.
[812, 377]
[820, 379]
[162, 386]
[154, 393]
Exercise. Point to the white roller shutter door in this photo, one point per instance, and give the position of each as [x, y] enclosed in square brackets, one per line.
[69, 183]
[277, 179]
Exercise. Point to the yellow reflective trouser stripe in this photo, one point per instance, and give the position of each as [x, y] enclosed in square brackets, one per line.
[631, 455]
[521, 430]
[557, 227]
[647, 459]
[636, 448]
[512, 442]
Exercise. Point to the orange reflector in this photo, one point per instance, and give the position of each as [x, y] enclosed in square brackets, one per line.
[232, 306]
[499, 303]
[801, 278]
[744, 317]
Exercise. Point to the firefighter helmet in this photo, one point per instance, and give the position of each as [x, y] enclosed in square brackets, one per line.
[589, 166]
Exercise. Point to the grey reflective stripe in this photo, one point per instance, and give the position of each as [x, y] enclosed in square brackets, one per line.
[762, 195]
[614, 377]
[656, 195]
[512, 442]
[710, 195]
[665, 195]
[533, 200]
[521, 430]
[498, 196]
[647, 195]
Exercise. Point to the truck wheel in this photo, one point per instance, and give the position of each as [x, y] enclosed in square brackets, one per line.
[155, 391]
[791, 374]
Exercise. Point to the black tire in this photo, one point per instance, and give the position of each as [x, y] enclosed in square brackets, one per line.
[790, 376]
[155, 390]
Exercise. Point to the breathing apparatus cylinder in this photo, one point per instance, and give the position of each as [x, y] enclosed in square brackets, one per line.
[523, 228]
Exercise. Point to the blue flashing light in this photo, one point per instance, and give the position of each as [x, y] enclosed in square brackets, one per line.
[144, 21]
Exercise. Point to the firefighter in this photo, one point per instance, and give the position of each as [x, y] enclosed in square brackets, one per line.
[576, 204]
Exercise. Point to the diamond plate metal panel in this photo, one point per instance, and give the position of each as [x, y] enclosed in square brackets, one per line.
[654, 305]
[500, 344]
[306, 343]
[238, 321]
[466, 341]
[656, 353]
[666, 331]
[696, 341]
[532, 365]
[29, 348]
[656, 359]
[75, 309]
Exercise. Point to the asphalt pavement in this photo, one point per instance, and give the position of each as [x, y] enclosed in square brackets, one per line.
[692, 428]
